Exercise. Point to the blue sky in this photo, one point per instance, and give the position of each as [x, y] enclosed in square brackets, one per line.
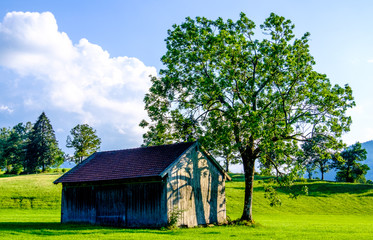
[89, 61]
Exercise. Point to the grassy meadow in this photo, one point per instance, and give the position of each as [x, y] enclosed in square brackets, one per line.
[29, 209]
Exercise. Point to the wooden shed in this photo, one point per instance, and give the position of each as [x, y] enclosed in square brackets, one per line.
[141, 187]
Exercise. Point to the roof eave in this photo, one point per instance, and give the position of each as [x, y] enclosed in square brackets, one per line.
[60, 179]
[208, 155]
[214, 161]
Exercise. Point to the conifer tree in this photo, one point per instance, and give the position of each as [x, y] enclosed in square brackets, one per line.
[43, 151]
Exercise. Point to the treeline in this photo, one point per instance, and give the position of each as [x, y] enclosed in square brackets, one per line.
[32, 148]
[317, 156]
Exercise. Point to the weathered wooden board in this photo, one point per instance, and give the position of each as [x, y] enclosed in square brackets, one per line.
[130, 205]
[196, 187]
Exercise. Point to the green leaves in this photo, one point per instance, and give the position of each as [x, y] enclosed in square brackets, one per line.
[242, 96]
[271, 195]
[42, 150]
[266, 88]
[318, 152]
[84, 140]
[350, 170]
[13, 142]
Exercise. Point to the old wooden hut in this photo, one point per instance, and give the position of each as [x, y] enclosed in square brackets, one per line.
[141, 187]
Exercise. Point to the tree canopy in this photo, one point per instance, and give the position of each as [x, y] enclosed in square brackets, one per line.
[4, 161]
[13, 144]
[42, 150]
[257, 96]
[84, 140]
[350, 170]
[318, 153]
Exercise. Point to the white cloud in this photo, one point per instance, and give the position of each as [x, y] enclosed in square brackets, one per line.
[4, 108]
[370, 61]
[81, 78]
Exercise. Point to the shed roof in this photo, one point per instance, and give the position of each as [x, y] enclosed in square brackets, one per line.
[125, 164]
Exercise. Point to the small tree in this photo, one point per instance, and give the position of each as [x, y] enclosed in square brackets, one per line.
[318, 152]
[310, 168]
[84, 140]
[350, 170]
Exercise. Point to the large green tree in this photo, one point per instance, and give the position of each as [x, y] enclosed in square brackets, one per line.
[84, 140]
[222, 86]
[42, 150]
[349, 166]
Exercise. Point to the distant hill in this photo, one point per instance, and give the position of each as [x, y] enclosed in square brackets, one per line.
[67, 164]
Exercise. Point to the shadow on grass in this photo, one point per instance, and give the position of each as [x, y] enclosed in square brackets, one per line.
[54, 229]
[368, 195]
[325, 189]
[7, 175]
[39, 226]
[316, 188]
[211, 233]
[237, 177]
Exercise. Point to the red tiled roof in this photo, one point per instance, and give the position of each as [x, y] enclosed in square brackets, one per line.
[124, 164]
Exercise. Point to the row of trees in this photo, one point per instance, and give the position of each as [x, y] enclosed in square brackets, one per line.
[33, 147]
[319, 154]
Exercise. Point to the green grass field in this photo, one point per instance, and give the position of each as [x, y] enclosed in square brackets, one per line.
[330, 211]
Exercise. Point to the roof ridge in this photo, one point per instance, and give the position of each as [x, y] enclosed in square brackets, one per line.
[153, 146]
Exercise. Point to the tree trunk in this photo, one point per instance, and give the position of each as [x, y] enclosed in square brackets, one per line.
[7, 166]
[348, 175]
[249, 168]
[227, 165]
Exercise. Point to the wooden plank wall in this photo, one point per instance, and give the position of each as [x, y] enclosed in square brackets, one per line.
[130, 205]
[197, 188]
